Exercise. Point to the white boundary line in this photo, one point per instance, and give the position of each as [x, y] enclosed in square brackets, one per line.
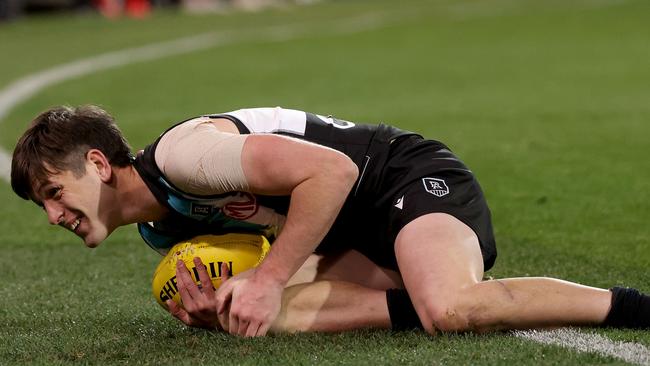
[22, 89]
[5, 165]
[589, 342]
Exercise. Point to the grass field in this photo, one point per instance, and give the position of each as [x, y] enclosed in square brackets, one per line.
[548, 102]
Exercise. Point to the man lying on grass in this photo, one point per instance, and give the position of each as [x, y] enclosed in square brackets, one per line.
[400, 224]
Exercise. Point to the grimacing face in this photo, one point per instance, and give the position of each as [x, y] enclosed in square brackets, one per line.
[76, 202]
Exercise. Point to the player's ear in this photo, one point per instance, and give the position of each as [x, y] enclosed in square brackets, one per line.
[100, 163]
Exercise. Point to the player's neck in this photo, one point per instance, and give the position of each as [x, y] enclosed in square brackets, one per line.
[137, 202]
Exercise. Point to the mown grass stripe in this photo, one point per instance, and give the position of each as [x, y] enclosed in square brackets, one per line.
[26, 87]
[589, 342]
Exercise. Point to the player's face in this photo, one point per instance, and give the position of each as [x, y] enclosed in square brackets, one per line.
[75, 203]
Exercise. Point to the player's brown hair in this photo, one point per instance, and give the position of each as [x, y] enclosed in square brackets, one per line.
[58, 140]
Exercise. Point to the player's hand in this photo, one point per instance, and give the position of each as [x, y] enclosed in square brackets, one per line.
[223, 316]
[199, 303]
[254, 303]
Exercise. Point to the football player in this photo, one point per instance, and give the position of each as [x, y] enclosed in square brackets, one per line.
[400, 222]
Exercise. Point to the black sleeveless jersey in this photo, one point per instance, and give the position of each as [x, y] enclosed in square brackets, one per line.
[191, 215]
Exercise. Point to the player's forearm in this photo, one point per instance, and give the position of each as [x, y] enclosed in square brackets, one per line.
[315, 203]
[331, 306]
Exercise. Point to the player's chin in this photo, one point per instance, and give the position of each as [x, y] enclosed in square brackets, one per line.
[91, 242]
[94, 238]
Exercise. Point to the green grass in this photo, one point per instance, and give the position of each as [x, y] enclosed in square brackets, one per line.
[548, 102]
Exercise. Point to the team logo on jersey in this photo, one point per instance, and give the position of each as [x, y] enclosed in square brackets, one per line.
[338, 123]
[400, 203]
[436, 186]
[243, 206]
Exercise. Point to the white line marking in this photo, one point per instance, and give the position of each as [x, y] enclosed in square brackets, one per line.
[589, 342]
[5, 165]
[22, 89]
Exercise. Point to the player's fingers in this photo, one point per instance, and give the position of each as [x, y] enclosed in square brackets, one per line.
[186, 298]
[253, 329]
[204, 277]
[242, 328]
[225, 272]
[223, 321]
[178, 312]
[224, 296]
[233, 324]
[263, 329]
[185, 282]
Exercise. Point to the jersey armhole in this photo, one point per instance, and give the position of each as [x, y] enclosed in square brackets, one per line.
[241, 127]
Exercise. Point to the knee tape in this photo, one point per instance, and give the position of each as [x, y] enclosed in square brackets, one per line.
[401, 310]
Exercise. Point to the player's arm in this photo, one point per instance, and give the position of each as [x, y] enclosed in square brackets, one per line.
[318, 179]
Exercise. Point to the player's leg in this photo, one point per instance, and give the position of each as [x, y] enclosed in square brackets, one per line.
[349, 266]
[442, 268]
[331, 306]
[352, 266]
[334, 293]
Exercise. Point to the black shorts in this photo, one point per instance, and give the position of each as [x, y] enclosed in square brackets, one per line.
[410, 177]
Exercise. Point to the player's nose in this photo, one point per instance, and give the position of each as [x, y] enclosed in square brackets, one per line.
[54, 212]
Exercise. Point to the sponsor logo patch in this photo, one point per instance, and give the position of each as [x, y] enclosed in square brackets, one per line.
[243, 206]
[201, 210]
[436, 186]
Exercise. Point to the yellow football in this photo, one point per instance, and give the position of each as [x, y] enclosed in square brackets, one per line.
[239, 251]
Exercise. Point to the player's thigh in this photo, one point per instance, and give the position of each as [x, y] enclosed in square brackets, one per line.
[438, 257]
[349, 266]
[352, 266]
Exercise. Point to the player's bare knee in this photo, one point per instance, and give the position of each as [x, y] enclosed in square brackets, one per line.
[444, 316]
[460, 313]
[348, 169]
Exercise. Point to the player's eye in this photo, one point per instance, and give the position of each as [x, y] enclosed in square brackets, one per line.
[54, 192]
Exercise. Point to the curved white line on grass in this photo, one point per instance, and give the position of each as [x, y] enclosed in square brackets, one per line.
[589, 342]
[26, 87]
[5, 165]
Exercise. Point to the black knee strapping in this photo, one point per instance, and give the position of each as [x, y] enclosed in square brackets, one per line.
[630, 309]
[401, 310]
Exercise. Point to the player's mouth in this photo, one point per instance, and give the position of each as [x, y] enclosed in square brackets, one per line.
[74, 225]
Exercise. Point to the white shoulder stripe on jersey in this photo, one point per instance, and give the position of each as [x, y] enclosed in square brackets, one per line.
[271, 120]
